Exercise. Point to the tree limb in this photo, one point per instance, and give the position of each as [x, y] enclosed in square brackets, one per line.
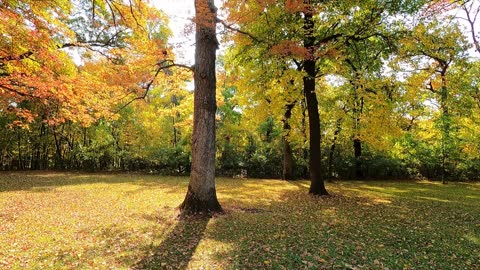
[149, 85]
[230, 27]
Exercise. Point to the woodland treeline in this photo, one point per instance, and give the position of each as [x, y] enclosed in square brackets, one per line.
[94, 85]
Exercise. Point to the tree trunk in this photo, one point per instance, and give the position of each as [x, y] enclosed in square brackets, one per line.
[445, 126]
[305, 171]
[174, 101]
[357, 142]
[317, 185]
[288, 162]
[201, 196]
[58, 150]
[332, 148]
[38, 150]
[19, 145]
[357, 148]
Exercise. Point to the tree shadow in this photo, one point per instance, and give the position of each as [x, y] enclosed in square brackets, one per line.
[343, 231]
[45, 181]
[178, 248]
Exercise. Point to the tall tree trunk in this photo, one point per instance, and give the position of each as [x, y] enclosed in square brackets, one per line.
[288, 162]
[317, 185]
[357, 142]
[445, 126]
[201, 194]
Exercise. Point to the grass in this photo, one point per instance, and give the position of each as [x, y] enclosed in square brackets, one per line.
[123, 221]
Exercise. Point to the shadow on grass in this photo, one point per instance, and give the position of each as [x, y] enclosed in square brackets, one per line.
[454, 194]
[347, 232]
[178, 248]
[275, 224]
[45, 181]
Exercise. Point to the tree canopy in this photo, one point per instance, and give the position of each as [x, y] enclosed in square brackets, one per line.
[305, 89]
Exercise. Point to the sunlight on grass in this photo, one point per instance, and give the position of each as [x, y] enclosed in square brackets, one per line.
[377, 201]
[122, 221]
[433, 199]
[474, 239]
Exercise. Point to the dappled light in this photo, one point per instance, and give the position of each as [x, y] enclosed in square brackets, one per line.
[153, 134]
[131, 221]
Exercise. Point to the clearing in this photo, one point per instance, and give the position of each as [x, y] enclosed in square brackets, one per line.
[121, 221]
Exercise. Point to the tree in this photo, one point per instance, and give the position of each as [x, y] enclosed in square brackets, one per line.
[201, 194]
[472, 12]
[433, 50]
[317, 185]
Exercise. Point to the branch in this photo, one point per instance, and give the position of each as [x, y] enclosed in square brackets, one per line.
[230, 27]
[20, 57]
[299, 64]
[135, 17]
[173, 64]
[86, 44]
[327, 39]
[471, 22]
[114, 18]
[147, 88]
[431, 88]
[16, 91]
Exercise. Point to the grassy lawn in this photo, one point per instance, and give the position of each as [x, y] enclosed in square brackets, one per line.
[121, 221]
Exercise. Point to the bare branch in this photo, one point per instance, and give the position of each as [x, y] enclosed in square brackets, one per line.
[471, 19]
[230, 27]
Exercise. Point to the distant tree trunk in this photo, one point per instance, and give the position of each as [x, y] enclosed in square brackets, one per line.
[201, 194]
[288, 162]
[305, 172]
[333, 146]
[36, 165]
[45, 148]
[357, 149]
[58, 149]
[19, 145]
[317, 185]
[175, 103]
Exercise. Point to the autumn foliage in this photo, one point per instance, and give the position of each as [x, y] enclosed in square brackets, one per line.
[118, 59]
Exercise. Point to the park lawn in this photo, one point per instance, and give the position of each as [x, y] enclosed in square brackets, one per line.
[120, 221]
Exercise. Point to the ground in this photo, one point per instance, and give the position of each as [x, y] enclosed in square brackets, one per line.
[122, 221]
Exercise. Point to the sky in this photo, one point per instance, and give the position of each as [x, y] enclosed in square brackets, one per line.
[181, 13]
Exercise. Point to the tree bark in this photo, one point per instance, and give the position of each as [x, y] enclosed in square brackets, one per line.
[288, 162]
[317, 185]
[201, 195]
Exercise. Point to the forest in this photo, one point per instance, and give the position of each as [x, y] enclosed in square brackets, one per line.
[336, 135]
[95, 86]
